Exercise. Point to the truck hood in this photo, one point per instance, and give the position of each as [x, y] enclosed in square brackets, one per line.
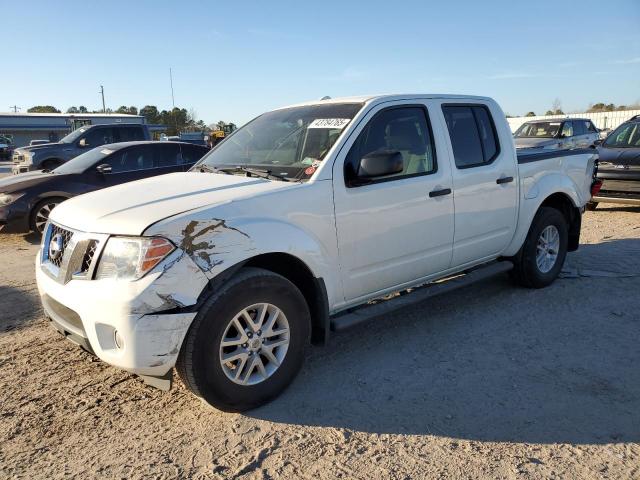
[619, 156]
[534, 142]
[35, 148]
[128, 209]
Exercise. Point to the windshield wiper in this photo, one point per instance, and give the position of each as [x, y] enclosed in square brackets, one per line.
[258, 172]
[206, 168]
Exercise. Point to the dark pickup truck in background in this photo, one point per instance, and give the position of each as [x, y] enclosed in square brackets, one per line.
[52, 155]
[619, 166]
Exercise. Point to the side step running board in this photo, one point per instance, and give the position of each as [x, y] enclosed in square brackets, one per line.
[343, 321]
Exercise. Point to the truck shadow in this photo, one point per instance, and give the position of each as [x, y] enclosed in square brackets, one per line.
[491, 362]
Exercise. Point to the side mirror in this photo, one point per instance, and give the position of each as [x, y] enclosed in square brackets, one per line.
[104, 168]
[379, 163]
[83, 143]
[598, 141]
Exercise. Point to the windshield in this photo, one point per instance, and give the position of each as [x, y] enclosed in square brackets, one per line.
[624, 136]
[73, 136]
[87, 160]
[288, 143]
[538, 130]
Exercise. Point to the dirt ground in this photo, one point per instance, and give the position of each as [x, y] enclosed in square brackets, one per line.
[491, 381]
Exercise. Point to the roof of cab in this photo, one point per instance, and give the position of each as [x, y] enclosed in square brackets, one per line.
[385, 98]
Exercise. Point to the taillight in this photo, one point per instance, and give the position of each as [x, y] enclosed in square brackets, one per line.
[595, 187]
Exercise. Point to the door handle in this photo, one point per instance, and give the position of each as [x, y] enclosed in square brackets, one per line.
[502, 180]
[440, 193]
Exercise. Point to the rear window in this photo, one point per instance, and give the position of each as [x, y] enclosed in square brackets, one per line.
[472, 133]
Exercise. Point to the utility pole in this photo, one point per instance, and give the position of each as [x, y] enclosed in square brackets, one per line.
[15, 109]
[173, 101]
[104, 110]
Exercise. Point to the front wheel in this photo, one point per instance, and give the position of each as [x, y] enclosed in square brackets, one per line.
[247, 342]
[540, 259]
[40, 213]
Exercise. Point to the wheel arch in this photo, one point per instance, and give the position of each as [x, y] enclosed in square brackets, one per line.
[297, 272]
[559, 200]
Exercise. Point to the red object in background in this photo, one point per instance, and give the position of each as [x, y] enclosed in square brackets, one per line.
[595, 187]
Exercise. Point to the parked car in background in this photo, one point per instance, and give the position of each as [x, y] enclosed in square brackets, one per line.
[5, 148]
[27, 199]
[38, 142]
[291, 227]
[619, 166]
[52, 155]
[557, 134]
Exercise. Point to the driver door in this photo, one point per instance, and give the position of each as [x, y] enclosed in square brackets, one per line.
[399, 228]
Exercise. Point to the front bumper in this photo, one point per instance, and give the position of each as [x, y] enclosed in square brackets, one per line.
[130, 325]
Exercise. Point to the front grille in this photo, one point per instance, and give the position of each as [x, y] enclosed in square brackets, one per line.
[70, 254]
[92, 246]
[66, 237]
[17, 158]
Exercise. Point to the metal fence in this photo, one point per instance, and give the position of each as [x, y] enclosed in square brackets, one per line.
[602, 120]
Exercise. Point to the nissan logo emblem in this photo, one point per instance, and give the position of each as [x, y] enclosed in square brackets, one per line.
[55, 247]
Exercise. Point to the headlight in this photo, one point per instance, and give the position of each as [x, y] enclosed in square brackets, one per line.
[27, 157]
[7, 198]
[130, 258]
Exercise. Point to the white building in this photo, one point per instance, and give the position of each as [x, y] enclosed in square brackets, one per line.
[602, 120]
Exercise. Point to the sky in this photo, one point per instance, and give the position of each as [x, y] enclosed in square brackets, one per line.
[234, 60]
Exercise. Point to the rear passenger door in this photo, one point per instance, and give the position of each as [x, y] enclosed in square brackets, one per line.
[167, 158]
[580, 134]
[568, 136]
[191, 154]
[484, 181]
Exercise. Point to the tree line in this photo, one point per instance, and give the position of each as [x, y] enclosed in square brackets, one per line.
[176, 120]
[556, 108]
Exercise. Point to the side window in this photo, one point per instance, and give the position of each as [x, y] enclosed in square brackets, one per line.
[567, 129]
[579, 128]
[472, 133]
[404, 129]
[591, 128]
[192, 153]
[131, 159]
[167, 154]
[129, 134]
[99, 136]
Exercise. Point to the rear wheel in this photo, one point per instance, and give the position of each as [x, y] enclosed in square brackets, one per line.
[540, 259]
[247, 342]
[40, 213]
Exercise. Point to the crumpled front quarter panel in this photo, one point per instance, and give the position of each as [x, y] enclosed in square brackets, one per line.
[298, 221]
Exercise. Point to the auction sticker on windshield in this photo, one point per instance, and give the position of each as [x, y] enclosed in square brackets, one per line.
[329, 123]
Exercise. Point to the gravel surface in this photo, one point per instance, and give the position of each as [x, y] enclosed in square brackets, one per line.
[491, 381]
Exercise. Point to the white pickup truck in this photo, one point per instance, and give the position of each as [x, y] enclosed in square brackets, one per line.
[293, 226]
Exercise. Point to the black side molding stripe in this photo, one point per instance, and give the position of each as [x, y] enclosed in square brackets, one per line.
[538, 156]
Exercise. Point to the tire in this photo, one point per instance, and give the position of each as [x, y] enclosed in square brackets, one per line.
[40, 213]
[527, 271]
[200, 365]
[591, 206]
[51, 164]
